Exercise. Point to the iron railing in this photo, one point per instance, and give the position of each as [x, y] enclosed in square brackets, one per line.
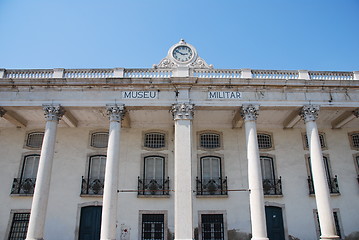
[272, 186]
[213, 186]
[23, 186]
[92, 186]
[332, 185]
[153, 186]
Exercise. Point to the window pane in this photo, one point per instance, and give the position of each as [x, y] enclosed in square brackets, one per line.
[97, 167]
[19, 226]
[31, 164]
[99, 139]
[210, 140]
[264, 141]
[34, 139]
[154, 140]
[154, 167]
[211, 167]
[355, 139]
[267, 168]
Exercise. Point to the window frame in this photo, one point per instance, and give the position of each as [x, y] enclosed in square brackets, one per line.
[11, 217]
[144, 133]
[274, 166]
[350, 136]
[306, 143]
[208, 212]
[339, 223]
[271, 138]
[220, 134]
[90, 138]
[86, 175]
[203, 155]
[165, 221]
[27, 138]
[356, 162]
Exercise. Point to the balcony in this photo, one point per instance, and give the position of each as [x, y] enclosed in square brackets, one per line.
[215, 186]
[153, 186]
[272, 186]
[23, 186]
[332, 184]
[92, 186]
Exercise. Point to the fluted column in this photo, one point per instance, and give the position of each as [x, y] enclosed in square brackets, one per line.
[53, 114]
[110, 195]
[183, 115]
[326, 221]
[256, 197]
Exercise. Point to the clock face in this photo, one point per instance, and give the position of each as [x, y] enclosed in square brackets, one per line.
[182, 53]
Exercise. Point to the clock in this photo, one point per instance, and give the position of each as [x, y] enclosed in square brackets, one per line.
[182, 53]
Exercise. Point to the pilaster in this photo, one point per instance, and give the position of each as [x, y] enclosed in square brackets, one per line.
[183, 115]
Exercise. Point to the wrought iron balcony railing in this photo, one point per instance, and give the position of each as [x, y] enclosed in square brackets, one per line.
[92, 186]
[23, 186]
[214, 186]
[272, 186]
[332, 184]
[153, 186]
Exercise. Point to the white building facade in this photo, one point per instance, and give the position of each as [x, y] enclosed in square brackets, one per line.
[179, 151]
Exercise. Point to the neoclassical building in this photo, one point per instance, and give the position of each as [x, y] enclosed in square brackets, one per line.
[179, 151]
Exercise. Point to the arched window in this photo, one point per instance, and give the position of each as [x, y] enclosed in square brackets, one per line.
[264, 141]
[154, 140]
[99, 139]
[34, 139]
[210, 141]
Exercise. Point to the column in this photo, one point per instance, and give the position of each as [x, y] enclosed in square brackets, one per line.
[53, 114]
[255, 183]
[183, 115]
[326, 220]
[110, 195]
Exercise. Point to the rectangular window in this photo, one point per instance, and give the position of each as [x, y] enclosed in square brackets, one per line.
[153, 227]
[94, 183]
[155, 140]
[19, 224]
[212, 226]
[25, 184]
[210, 140]
[336, 222]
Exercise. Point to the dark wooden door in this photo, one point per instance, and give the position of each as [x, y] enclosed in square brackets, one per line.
[274, 218]
[90, 223]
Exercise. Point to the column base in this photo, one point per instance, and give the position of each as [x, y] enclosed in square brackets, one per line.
[183, 239]
[34, 239]
[108, 238]
[259, 238]
[333, 237]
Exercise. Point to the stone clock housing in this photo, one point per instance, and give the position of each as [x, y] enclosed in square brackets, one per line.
[180, 151]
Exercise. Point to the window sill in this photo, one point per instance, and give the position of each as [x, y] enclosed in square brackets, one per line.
[153, 196]
[274, 196]
[212, 196]
[331, 194]
[91, 195]
[21, 195]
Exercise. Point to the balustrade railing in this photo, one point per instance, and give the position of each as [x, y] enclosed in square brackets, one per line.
[92, 186]
[213, 186]
[331, 75]
[272, 186]
[217, 73]
[153, 186]
[88, 73]
[275, 74]
[40, 73]
[332, 185]
[147, 73]
[23, 186]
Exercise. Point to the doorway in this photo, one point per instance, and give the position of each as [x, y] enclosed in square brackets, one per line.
[274, 219]
[90, 223]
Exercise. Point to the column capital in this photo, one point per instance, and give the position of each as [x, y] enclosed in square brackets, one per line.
[115, 112]
[309, 112]
[53, 112]
[182, 111]
[355, 113]
[249, 112]
[2, 111]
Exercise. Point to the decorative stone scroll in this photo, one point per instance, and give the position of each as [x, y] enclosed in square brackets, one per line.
[182, 111]
[2, 112]
[355, 113]
[115, 112]
[309, 113]
[249, 112]
[53, 112]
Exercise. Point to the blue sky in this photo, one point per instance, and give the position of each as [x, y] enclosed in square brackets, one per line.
[257, 34]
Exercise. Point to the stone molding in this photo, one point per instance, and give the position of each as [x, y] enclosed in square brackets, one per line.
[115, 112]
[309, 112]
[249, 112]
[53, 112]
[182, 111]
